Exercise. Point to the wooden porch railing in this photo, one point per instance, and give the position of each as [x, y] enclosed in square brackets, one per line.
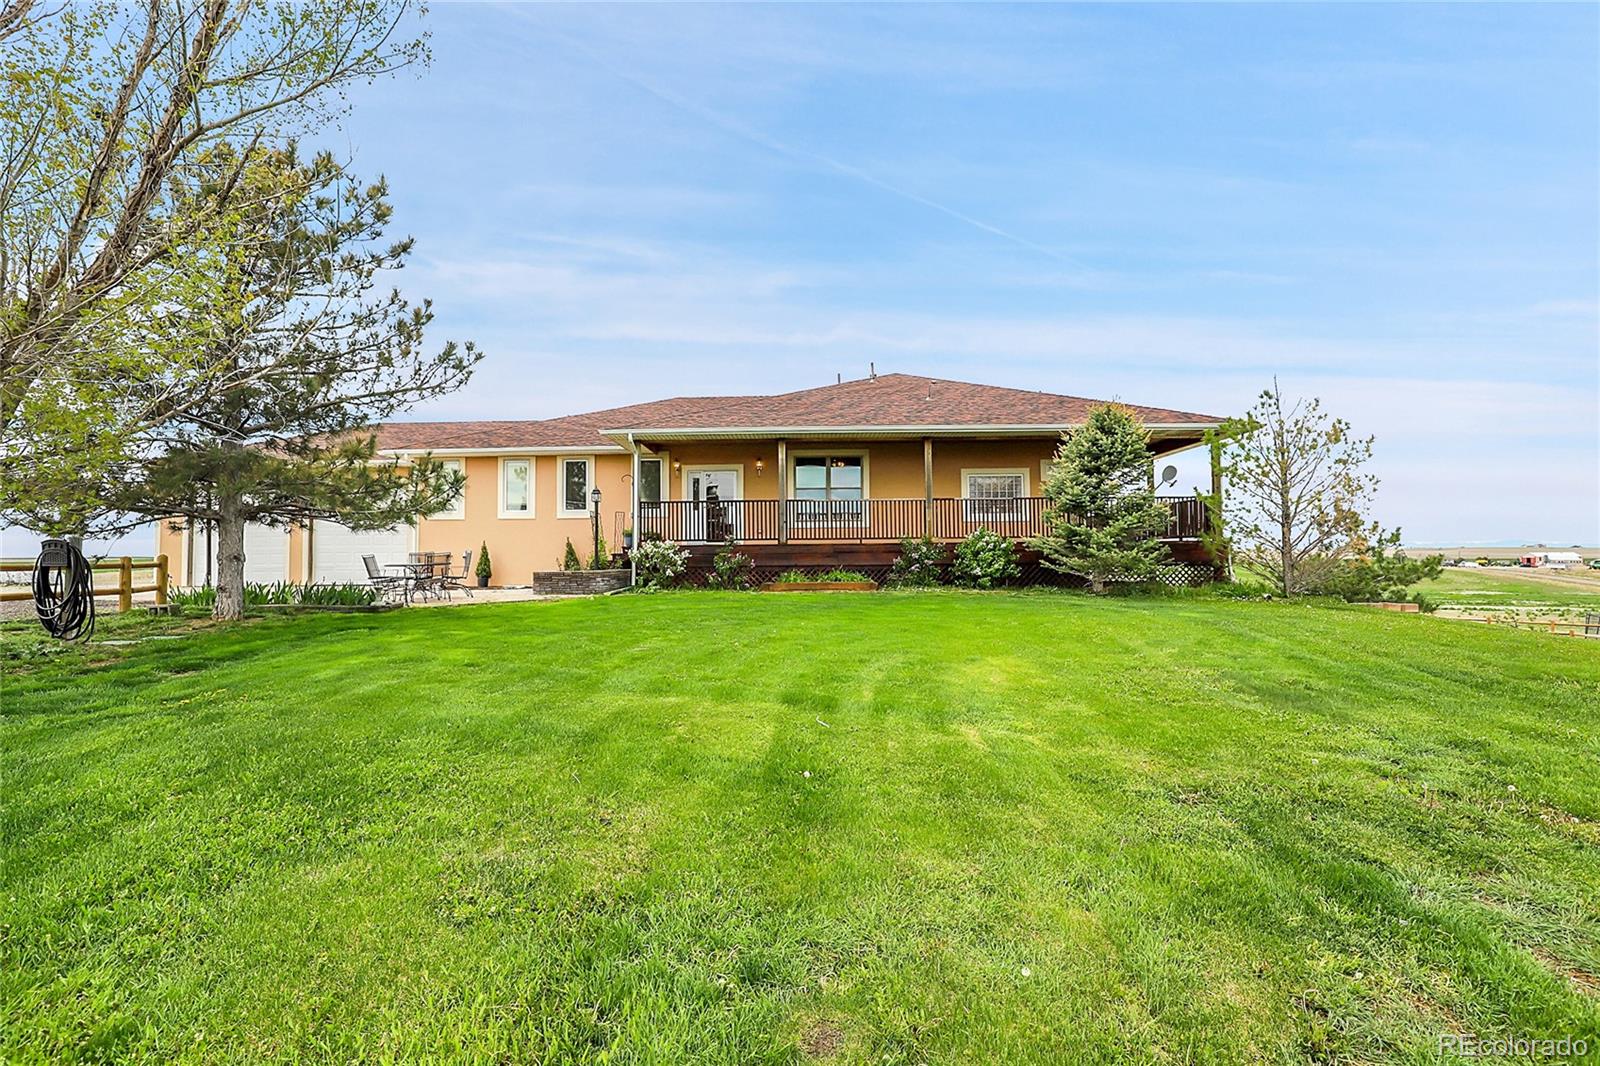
[811, 521]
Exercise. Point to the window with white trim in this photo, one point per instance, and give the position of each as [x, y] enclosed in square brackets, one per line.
[994, 495]
[832, 488]
[575, 477]
[516, 488]
[458, 506]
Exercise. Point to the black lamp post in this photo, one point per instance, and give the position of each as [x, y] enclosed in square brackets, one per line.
[594, 507]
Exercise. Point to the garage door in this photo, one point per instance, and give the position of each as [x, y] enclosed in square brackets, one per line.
[266, 554]
[336, 550]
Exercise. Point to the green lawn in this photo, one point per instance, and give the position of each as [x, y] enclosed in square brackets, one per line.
[729, 828]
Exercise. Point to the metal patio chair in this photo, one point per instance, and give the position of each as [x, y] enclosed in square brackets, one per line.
[389, 586]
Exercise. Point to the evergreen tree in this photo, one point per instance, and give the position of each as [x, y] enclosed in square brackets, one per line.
[314, 357]
[1102, 515]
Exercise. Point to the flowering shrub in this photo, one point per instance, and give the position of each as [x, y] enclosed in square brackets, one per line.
[731, 568]
[985, 560]
[658, 564]
[918, 565]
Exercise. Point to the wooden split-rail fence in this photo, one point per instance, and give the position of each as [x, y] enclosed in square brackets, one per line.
[124, 590]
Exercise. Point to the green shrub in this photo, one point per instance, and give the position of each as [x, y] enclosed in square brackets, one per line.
[344, 594]
[569, 558]
[658, 564]
[920, 564]
[484, 569]
[283, 594]
[798, 577]
[1384, 576]
[731, 569]
[985, 560]
[601, 560]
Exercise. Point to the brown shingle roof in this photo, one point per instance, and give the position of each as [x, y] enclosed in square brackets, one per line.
[889, 400]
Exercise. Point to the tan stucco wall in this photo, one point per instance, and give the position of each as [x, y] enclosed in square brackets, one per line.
[894, 469]
[519, 546]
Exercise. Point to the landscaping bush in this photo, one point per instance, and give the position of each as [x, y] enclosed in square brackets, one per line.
[798, 577]
[731, 569]
[658, 564]
[985, 560]
[919, 564]
[601, 559]
[841, 575]
[1385, 575]
[484, 569]
[283, 594]
[569, 558]
[344, 594]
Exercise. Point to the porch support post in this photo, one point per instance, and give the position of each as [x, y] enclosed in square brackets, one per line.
[633, 507]
[1221, 568]
[783, 491]
[927, 488]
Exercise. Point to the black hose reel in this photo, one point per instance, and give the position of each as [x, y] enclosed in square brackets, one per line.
[63, 591]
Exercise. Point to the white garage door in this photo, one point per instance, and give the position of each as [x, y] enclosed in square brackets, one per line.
[336, 550]
[266, 554]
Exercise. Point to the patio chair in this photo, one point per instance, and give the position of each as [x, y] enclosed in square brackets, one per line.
[459, 579]
[389, 586]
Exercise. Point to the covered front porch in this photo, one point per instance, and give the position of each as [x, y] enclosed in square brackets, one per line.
[863, 489]
[835, 501]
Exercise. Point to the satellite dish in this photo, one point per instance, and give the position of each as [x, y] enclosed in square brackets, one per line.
[1169, 475]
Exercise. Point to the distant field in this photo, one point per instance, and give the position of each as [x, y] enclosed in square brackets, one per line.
[1503, 587]
[1469, 552]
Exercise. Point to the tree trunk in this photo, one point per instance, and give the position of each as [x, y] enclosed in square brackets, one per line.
[1097, 584]
[229, 606]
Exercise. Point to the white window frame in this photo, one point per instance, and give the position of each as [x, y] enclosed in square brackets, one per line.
[797, 516]
[562, 511]
[992, 509]
[457, 513]
[533, 469]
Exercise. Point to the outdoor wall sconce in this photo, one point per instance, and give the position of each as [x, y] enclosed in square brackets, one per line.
[677, 467]
[761, 467]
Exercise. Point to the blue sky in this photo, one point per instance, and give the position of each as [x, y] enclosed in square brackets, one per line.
[1391, 207]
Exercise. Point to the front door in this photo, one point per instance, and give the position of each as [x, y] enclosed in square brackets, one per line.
[711, 516]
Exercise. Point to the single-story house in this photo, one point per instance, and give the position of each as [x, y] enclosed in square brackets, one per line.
[830, 476]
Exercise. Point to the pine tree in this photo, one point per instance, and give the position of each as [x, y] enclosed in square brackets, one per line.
[313, 357]
[1103, 518]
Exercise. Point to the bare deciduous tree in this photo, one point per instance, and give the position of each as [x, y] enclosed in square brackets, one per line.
[109, 114]
[1297, 493]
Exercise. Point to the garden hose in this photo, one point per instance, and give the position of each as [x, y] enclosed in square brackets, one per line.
[63, 591]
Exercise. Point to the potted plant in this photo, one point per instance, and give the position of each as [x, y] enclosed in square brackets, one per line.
[627, 540]
[484, 569]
